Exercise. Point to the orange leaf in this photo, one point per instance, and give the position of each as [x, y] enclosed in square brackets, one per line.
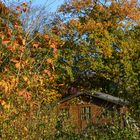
[18, 8]
[46, 37]
[50, 61]
[53, 45]
[5, 42]
[17, 65]
[47, 72]
[24, 93]
[14, 60]
[25, 78]
[55, 51]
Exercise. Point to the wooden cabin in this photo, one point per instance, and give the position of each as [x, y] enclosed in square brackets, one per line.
[85, 108]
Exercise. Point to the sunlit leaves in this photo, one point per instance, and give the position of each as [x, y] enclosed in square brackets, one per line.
[27, 68]
[101, 36]
[98, 36]
[25, 94]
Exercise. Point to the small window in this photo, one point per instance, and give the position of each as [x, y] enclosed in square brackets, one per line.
[109, 112]
[64, 112]
[85, 113]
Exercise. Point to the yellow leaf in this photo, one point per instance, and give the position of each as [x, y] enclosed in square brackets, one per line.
[24, 41]
[25, 78]
[25, 129]
[2, 102]
[36, 45]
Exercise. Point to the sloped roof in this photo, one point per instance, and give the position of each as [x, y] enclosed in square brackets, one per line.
[99, 95]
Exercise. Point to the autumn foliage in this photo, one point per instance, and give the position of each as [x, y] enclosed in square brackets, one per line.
[27, 73]
[102, 36]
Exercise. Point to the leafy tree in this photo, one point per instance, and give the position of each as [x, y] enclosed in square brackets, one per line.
[89, 44]
[101, 37]
[27, 78]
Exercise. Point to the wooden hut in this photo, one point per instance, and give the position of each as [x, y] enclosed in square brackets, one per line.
[85, 108]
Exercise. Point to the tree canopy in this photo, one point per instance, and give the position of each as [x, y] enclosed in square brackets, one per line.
[101, 36]
[89, 45]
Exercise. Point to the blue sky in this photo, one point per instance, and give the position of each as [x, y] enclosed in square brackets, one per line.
[51, 4]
